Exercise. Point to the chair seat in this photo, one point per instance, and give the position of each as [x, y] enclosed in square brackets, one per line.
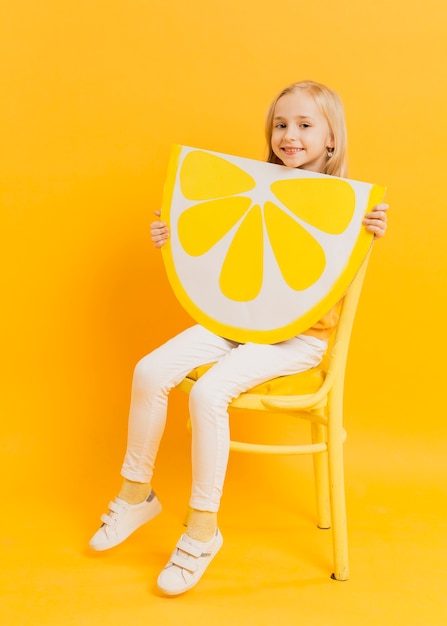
[305, 383]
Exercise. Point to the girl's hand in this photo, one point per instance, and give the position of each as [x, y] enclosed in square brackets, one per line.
[159, 232]
[375, 222]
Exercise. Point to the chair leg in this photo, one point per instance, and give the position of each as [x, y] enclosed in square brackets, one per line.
[338, 509]
[320, 461]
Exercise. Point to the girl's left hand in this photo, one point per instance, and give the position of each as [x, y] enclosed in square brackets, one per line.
[375, 222]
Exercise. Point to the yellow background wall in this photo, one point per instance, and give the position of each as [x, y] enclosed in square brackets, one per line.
[93, 95]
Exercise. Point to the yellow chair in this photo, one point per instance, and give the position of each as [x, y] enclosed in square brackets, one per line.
[317, 396]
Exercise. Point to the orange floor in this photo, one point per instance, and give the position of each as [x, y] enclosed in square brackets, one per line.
[275, 564]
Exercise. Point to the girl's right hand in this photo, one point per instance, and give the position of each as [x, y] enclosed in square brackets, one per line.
[159, 232]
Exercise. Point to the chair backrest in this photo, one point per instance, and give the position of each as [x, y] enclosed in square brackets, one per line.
[339, 344]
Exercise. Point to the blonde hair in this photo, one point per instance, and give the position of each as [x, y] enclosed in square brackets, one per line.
[332, 107]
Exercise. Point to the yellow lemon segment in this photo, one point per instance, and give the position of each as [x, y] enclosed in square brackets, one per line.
[241, 276]
[259, 252]
[300, 257]
[327, 204]
[201, 226]
[217, 177]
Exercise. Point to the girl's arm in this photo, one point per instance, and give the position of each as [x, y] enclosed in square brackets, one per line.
[159, 232]
[375, 221]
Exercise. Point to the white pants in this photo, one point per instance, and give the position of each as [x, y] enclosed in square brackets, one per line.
[238, 367]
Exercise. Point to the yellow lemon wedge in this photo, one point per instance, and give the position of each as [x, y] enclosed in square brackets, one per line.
[260, 252]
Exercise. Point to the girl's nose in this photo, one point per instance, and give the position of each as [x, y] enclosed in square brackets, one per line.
[291, 133]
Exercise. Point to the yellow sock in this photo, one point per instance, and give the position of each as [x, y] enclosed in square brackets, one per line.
[133, 492]
[187, 516]
[202, 525]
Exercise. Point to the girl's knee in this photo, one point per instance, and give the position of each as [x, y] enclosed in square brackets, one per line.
[204, 396]
[146, 373]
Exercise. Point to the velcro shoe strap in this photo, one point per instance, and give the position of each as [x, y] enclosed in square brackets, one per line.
[188, 547]
[185, 561]
[106, 519]
[115, 507]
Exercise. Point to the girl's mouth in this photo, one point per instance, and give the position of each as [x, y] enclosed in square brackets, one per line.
[288, 150]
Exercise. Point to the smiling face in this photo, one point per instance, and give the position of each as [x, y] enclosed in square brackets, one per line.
[301, 135]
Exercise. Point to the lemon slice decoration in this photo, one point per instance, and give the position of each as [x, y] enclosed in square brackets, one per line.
[260, 252]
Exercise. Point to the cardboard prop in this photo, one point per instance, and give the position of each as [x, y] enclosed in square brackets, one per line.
[260, 252]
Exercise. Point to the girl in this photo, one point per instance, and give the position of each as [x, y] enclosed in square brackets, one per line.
[305, 128]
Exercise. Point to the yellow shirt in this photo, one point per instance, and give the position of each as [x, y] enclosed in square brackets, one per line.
[326, 326]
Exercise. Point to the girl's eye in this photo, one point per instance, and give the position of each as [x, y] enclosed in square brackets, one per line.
[304, 125]
[280, 125]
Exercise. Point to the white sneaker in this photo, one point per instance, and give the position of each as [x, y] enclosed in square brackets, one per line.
[122, 520]
[187, 564]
